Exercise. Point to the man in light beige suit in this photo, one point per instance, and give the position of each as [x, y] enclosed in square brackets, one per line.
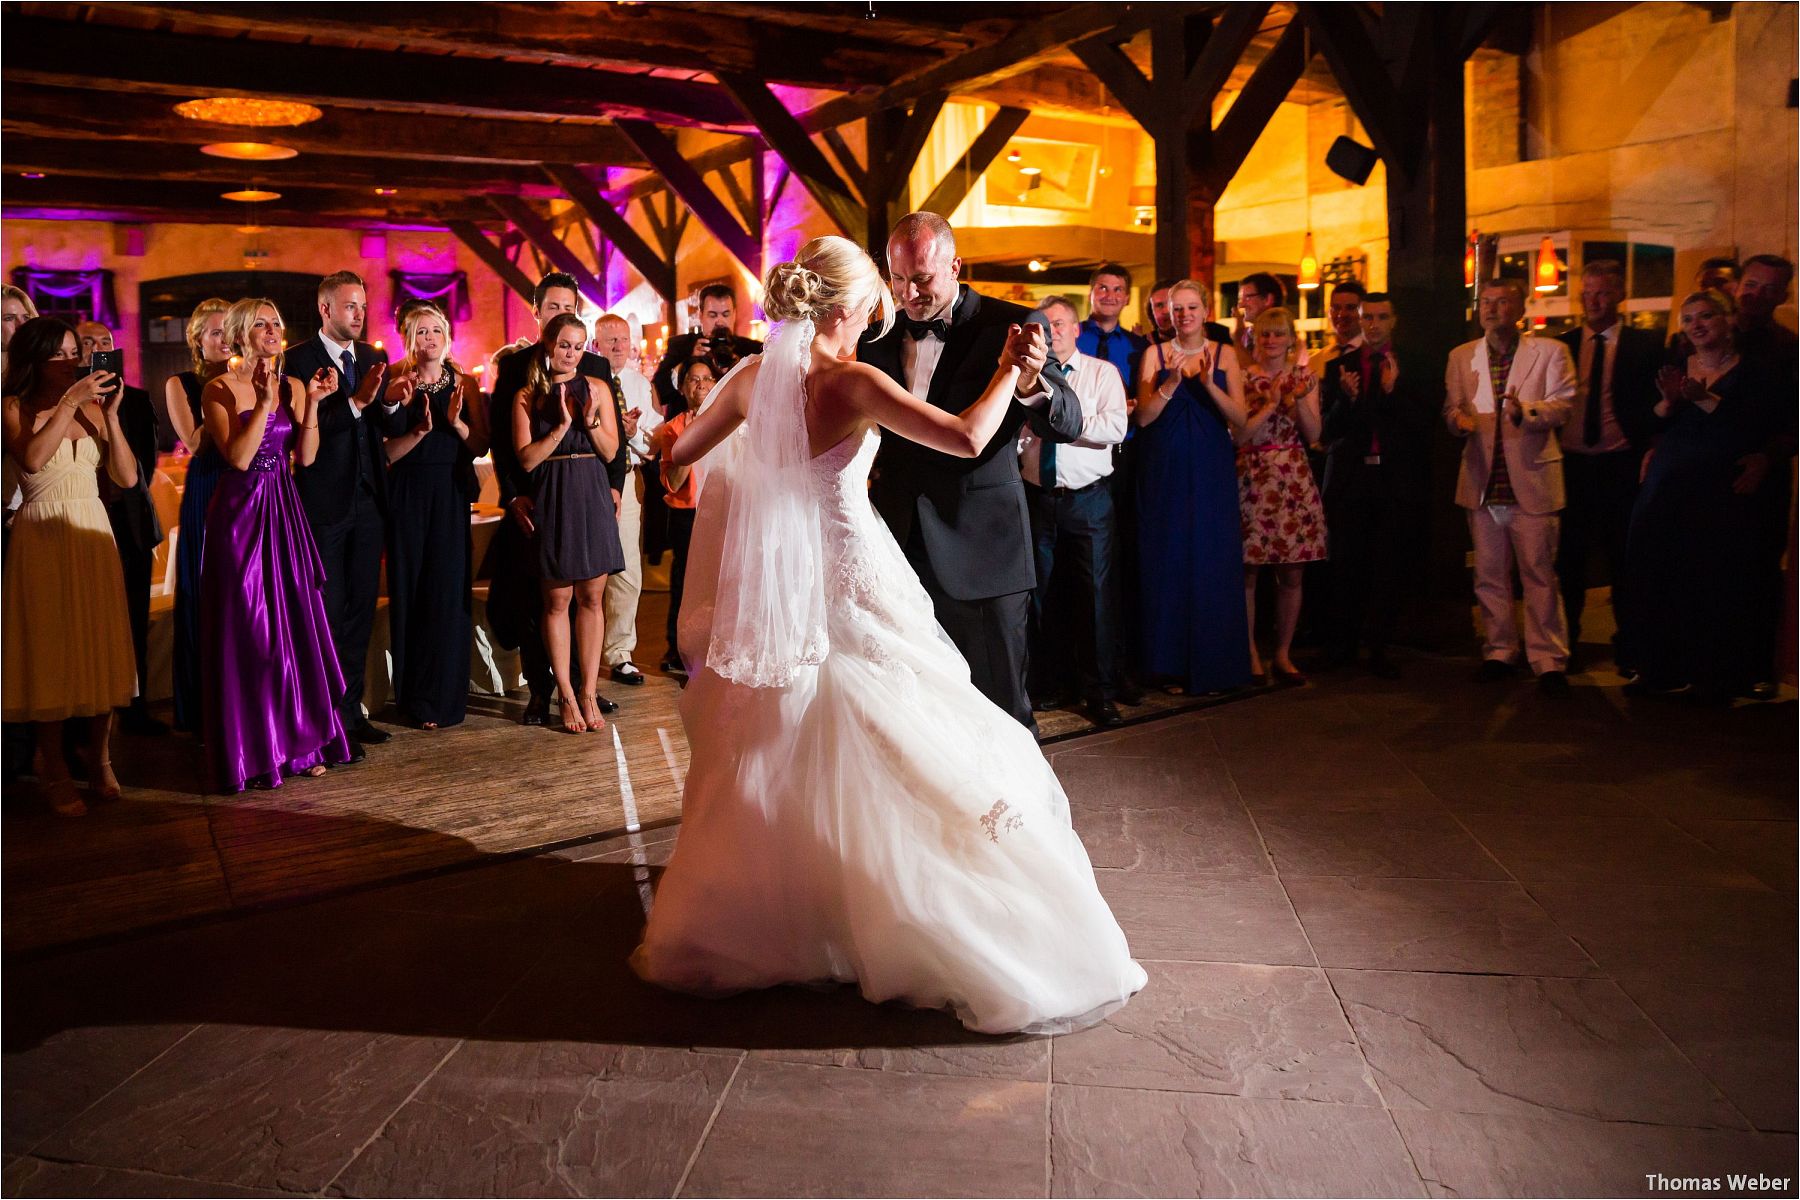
[1508, 395]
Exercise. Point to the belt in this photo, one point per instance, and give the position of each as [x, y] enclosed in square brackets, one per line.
[567, 457]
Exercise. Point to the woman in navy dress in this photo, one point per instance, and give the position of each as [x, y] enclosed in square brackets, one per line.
[436, 428]
[1190, 395]
[181, 397]
[1691, 554]
[565, 431]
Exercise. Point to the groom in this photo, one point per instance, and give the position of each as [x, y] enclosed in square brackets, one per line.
[963, 522]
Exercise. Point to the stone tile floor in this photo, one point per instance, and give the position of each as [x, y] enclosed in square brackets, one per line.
[1411, 938]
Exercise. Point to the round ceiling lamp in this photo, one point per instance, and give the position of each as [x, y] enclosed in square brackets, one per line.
[387, 191]
[246, 110]
[250, 195]
[249, 151]
[31, 174]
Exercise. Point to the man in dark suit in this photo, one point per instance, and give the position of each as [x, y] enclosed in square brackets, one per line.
[1604, 442]
[135, 526]
[715, 340]
[515, 608]
[344, 491]
[1377, 434]
[963, 522]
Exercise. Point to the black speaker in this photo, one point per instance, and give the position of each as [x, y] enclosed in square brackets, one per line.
[1350, 159]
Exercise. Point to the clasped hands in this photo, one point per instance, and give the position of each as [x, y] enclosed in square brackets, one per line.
[1027, 348]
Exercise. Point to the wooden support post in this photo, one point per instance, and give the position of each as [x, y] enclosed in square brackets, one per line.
[470, 235]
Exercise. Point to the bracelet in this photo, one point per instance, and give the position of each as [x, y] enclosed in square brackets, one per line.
[304, 425]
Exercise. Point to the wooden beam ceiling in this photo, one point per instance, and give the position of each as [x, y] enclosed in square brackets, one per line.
[199, 203]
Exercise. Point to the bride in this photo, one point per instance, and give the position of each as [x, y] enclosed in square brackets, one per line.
[855, 810]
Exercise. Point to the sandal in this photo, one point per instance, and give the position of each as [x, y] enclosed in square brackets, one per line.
[570, 710]
[590, 712]
[64, 801]
[102, 782]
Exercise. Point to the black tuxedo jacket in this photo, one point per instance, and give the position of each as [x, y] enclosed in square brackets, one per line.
[349, 445]
[509, 377]
[970, 512]
[1640, 353]
[133, 515]
[1403, 420]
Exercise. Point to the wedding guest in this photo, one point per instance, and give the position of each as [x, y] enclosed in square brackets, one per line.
[1102, 337]
[515, 600]
[1344, 309]
[16, 308]
[1507, 396]
[436, 426]
[564, 432]
[344, 487]
[136, 530]
[1283, 517]
[1258, 292]
[715, 339]
[1191, 556]
[612, 335]
[1610, 427]
[1693, 551]
[1157, 317]
[681, 493]
[67, 637]
[181, 395]
[1377, 434]
[1068, 493]
[269, 673]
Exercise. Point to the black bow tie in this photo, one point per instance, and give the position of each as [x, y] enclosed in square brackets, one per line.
[920, 330]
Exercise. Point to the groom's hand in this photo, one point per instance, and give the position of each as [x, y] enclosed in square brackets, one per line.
[1031, 347]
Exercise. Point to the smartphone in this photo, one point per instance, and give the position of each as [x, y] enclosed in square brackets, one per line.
[112, 362]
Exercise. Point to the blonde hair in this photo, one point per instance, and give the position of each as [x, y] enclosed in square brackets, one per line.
[537, 375]
[241, 316]
[409, 325]
[196, 326]
[1721, 301]
[1270, 317]
[831, 275]
[9, 292]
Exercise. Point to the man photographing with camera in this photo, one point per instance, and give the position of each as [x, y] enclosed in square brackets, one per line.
[715, 339]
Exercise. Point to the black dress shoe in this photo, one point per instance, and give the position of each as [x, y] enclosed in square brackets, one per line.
[608, 707]
[357, 753]
[368, 734]
[1104, 713]
[1493, 670]
[1049, 703]
[1553, 683]
[537, 711]
[628, 674]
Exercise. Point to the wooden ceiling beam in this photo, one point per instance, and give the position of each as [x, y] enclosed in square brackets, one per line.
[88, 115]
[199, 203]
[583, 35]
[1249, 114]
[788, 138]
[542, 236]
[982, 152]
[470, 235]
[612, 224]
[743, 244]
[111, 58]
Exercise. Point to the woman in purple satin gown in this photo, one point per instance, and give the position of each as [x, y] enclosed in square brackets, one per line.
[269, 672]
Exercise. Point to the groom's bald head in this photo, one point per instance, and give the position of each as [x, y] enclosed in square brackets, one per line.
[922, 265]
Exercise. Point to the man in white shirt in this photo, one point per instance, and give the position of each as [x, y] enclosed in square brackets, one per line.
[612, 339]
[1071, 510]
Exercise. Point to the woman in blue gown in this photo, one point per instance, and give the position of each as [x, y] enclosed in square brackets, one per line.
[1190, 542]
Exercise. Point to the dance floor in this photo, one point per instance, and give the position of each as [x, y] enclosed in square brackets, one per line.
[1415, 938]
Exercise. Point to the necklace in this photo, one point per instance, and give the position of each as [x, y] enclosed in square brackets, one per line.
[440, 384]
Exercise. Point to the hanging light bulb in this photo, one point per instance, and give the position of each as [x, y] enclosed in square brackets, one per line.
[1309, 265]
[1469, 259]
[1549, 270]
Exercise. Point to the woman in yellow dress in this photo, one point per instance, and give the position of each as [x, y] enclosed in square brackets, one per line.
[67, 639]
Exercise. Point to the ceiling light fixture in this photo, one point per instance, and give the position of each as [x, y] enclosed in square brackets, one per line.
[387, 191]
[250, 195]
[249, 151]
[31, 174]
[244, 110]
[1031, 170]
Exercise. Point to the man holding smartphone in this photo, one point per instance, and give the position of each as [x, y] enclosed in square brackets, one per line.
[133, 515]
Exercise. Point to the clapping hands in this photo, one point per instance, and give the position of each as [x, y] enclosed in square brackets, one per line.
[1678, 387]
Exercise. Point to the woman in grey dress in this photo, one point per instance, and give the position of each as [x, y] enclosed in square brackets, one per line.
[565, 432]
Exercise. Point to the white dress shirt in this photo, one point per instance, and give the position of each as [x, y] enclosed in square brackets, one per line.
[1574, 434]
[639, 395]
[336, 353]
[1087, 459]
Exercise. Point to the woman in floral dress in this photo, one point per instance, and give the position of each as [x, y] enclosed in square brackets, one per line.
[1283, 518]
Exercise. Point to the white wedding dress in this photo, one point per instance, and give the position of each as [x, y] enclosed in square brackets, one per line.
[874, 819]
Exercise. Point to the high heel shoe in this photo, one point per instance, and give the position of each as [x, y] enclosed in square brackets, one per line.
[591, 712]
[101, 780]
[64, 801]
[1289, 677]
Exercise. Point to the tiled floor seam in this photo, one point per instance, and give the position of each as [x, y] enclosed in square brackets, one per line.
[389, 1119]
[687, 1171]
[32, 1152]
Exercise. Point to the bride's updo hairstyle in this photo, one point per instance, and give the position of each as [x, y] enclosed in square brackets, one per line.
[830, 277]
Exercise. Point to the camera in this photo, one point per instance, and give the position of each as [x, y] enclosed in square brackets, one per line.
[722, 350]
